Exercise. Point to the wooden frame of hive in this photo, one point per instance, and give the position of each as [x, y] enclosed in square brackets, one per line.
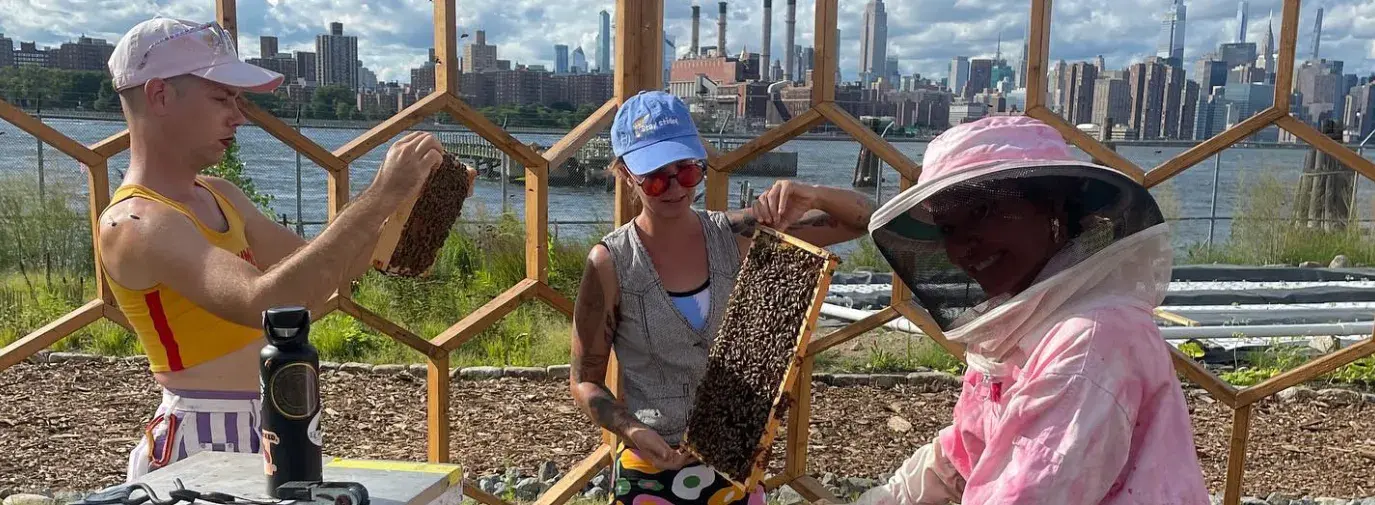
[782, 399]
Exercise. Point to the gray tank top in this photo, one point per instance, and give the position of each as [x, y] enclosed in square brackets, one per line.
[662, 355]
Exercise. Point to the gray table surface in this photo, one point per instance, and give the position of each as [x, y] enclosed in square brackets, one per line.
[387, 482]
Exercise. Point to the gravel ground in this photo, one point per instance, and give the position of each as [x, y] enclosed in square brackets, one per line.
[69, 426]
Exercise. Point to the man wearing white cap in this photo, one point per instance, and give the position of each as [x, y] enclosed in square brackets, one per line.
[191, 262]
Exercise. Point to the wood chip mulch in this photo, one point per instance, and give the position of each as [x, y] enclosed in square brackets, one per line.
[70, 426]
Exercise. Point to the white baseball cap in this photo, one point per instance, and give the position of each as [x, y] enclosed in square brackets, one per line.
[162, 48]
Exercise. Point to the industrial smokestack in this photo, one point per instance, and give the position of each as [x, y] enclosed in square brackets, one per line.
[696, 28]
[791, 35]
[764, 62]
[721, 31]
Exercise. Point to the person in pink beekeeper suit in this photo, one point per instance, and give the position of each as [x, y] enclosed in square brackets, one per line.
[1046, 268]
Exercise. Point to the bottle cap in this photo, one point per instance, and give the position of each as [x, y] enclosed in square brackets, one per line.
[286, 325]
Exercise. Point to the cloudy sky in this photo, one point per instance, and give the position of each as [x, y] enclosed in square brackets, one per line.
[394, 35]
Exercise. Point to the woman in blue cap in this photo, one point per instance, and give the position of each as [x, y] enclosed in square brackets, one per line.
[655, 291]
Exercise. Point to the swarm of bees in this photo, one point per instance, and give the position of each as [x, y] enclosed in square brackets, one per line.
[419, 228]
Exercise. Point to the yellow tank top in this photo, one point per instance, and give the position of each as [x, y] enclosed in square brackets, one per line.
[174, 332]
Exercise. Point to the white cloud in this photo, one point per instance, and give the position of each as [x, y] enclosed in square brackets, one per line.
[394, 35]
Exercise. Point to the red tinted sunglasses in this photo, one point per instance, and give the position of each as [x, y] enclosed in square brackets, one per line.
[689, 174]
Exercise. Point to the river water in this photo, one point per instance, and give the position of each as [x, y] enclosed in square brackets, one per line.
[272, 165]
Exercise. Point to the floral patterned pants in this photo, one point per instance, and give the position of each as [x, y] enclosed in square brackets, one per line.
[639, 483]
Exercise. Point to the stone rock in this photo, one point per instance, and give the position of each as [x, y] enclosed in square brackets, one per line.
[488, 483]
[898, 424]
[1214, 499]
[59, 357]
[40, 357]
[788, 496]
[1325, 344]
[512, 475]
[137, 360]
[389, 369]
[1340, 261]
[1296, 394]
[1369, 398]
[1278, 499]
[523, 372]
[29, 499]
[329, 365]
[499, 489]
[887, 380]
[595, 494]
[529, 489]
[856, 485]
[1251, 500]
[1331, 501]
[602, 479]
[934, 380]
[5, 492]
[65, 497]
[823, 378]
[420, 371]
[480, 373]
[355, 367]
[828, 479]
[850, 379]
[1310, 264]
[558, 372]
[547, 471]
[1367, 501]
[1339, 397]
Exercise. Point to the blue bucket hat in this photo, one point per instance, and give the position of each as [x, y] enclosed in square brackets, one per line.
[653, 129]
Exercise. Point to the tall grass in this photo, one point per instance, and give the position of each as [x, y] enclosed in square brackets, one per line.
[1264, 232]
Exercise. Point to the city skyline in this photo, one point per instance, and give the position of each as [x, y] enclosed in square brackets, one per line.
[922, 35]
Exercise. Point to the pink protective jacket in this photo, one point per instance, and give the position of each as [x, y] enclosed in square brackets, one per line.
[1081, 405]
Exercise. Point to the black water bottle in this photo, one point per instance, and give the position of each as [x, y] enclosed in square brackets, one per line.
[289, 368]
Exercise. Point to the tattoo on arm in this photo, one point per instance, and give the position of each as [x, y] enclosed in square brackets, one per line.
[594, 324]
[743, 222]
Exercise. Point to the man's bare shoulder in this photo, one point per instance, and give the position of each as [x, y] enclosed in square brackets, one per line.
[134, 230]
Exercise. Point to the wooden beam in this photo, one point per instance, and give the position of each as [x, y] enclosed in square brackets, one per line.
[274, 126]
[1236, 457]
[484, 317]
[594, 125]
[537, 221]
[651, 44]
[827, 60]
[338, 192]
[868, 138]
[1174, 318]
[577, 477]
[97, 199]
[481, 496]
[446, 47]
[799, 421]
[1289, 35]
[115, 315]
[50, 333]
[437, 408]
[390, 329]
[390, 128]
[227, 14]
[812, 490]
[112, 145]
[554, 299]
[1038, 53]
[718, 190]
[851, 331]
[503, 140]
[1211, 146]
[769, 141]
[1325, 144]
[1089, 144]
[918, 316]
[776, 482]
[630, 16]
[48, 135]
[1311, 370]
[1191, 369]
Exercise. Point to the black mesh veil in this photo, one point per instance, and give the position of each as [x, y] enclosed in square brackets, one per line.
[948, 238]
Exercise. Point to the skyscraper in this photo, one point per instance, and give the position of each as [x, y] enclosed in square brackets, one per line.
[1317, 34]
[1211, 73]
[1188, 109]
[959, 74]
[1267, 50]
[1083, 77]
[1241, 20]
[1147, 81]
[336, 61]
[479, 56]
[267, 47]
[873, 43]
[6, 51]
[579, 63]
[306, 68]
[1171, 103]
[604, 44]
[1172, 33]
[560, 59]
[980, 77]
[1111, 102]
